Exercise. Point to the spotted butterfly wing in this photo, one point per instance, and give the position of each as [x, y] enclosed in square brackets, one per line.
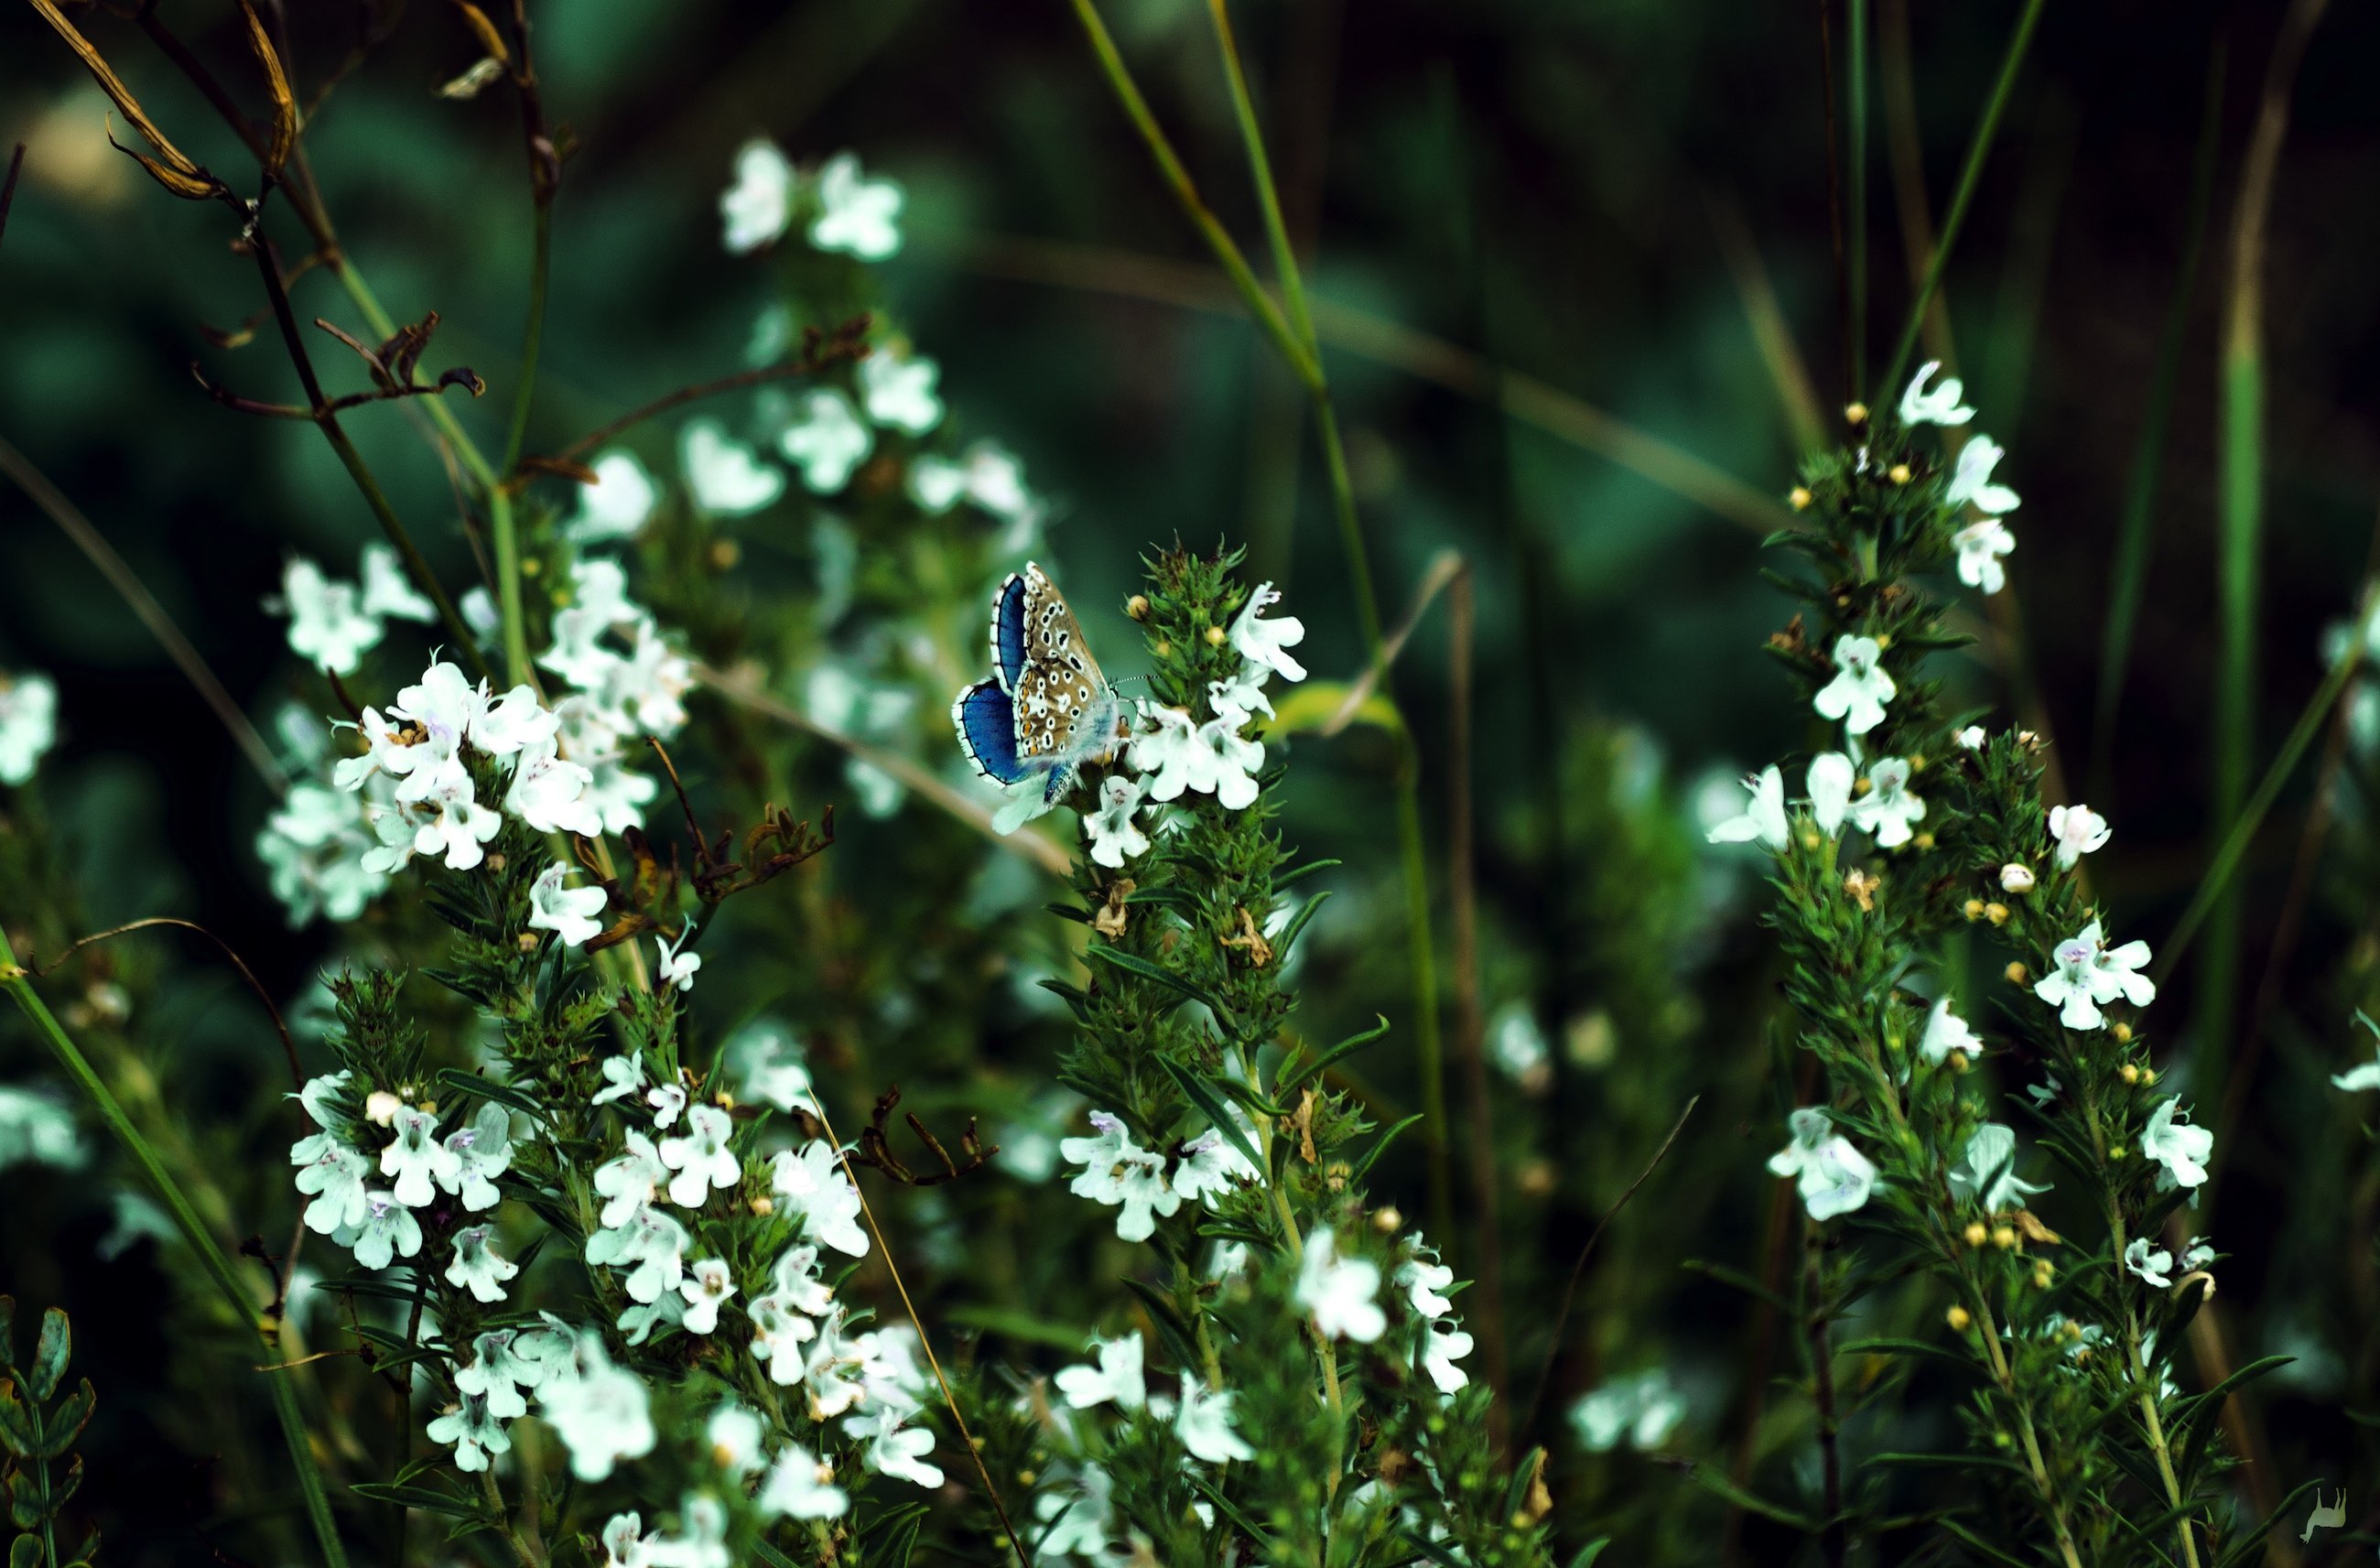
[1047, 690]
[985, 717]
[1008, 632]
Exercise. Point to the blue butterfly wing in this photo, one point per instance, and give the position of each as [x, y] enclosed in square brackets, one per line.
[985, 717]
[1008, 631]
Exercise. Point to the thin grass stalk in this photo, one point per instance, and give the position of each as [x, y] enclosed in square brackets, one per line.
[1826, 101]
[144, 606]
[2241, 498]
[1856, 82]
[1978, 152]
[1914, 214]
[211, 1257]
[2134, 535]
[1770, 332]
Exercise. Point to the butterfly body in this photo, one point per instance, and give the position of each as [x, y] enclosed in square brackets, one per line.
[1046, 708]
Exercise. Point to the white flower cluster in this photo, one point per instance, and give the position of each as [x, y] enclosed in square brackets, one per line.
[677, 1155]
[335, 1166]
[1170, 754]
[1834, 1178]
[28, 724]
[1118, 1170]
[1641, 1410]
[1982, 544]
[334, 624]
[627, 682]
[849, 213]
[602, 1411]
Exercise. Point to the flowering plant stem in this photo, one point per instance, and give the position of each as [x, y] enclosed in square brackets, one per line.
[211, 1257]
[1299, 345]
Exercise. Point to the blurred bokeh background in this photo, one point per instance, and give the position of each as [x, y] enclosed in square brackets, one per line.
[1580, 317]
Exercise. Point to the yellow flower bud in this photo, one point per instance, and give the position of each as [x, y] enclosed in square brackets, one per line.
[2015, 973]
[1898, 473]
[1137, 606]
[1973, 909]
[1975, 1234]
[1215, 636]
[2004, 1236]
[1800, 498]
[1997, 913]
[2129, 1073]
[1855, 413]
[1958, 1317]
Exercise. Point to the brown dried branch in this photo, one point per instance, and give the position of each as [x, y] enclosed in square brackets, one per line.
[876, 1148]
[820, 350]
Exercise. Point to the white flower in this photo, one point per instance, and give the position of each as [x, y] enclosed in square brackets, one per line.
[1971, 739]
[888, 1365]
[701, 1540]
[2154, 1266]
[1119, 1171]
[856, 216]
[333, 1175]
[388, 1228]
[1986, 1172]
[1644, 1409]
[1114, 836]
[893, 1448]
[1859, 689]
[1267, 643]
[477, 1266]
[819, 1191]
[328, 626]
[2016, 877]
[1947, 1032]
[796, 1282]
[623, 1541]
[2356, 1079]
[1213, 756]
[1119, 1376]
[1426, 1280]
[549, 793]
[28, 724]
[474, 1431]
[2077, 831]
[777, 1333]
[629, 1181]
[701, 1158]
[899, 390]
[759, 205]
[828, 442]
[313, 846]
[650, 1245]
[1443, 1347]
[623, 1075]
[1888, 806]
[568, 912]
[480, 1152]
[1242, 697]
[834, 1372]
[2181, 1149]
[1831, 783]
[1938, 407]
[727, 478]
[601, 1412]
[801, 1486]
[674, 967]
[441, 817]
[736, 1439]
[769, 1062]
[1342, 1293]
[1203, 1422]
[1980, 547]
[1972, 481]
[387, 591]
[1075, 1519]
[2089, 974]
[641, 1321]
[619, 503]
[1211, 1163]
[418, 1161]
[709, 1282]
[1764, 818]
[986, 474]
[1834, 1178]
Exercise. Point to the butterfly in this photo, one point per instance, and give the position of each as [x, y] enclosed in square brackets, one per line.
[1046, 708]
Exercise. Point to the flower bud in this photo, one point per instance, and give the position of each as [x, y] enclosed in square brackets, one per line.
[1998, 914]
[1387, 1221]
[2004, 1236]
[1214, 636]
[1973, 909]
[2015, 973]
[2016, 877]
[1137, 606]
[1855, 413]
[1958, 1317]
[1898, 473]
[1975, 1234]
[2129, 1073]
[1799, 499]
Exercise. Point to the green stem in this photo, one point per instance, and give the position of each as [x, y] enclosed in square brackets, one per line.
[1969, 178]
[1284, 255]
[1857, 71]
[502, 521]
[211, 1256]
[1227, 252]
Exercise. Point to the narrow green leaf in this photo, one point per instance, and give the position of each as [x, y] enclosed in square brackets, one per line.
[1716, 1483]
[67, 1422]
[511, 1096]
[1364, 1166]
[1211, 1103]
[426, 1499]
[1986, 1548]
[1170, 1325]
[1322, 1063]
[1133, 964]
[1296, 927]
[50, 1354]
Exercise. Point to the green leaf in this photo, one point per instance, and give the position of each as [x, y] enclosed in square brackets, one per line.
[1234, 1088]
[770, 1557]
[1918, 1349]
[426, 1499]
[1170, 1325]
[50, 1355]
[20, 1426]
[1208, 1100]
[1024, 1327]
[25, 1552]
[365, 1285]
[1716, 1483]
[1296, 927]
[1282, 879]
[1133, 964]
[1322, 1063]
[1231, 1511]
[1523, 1473]
[7, 1330]
[63, 1488]
[1364, 1166]
[1979, 1544]
[511, 1096]
[67, 1422]
[24, 1500]
[1738, 1279]
[1589, 1553]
